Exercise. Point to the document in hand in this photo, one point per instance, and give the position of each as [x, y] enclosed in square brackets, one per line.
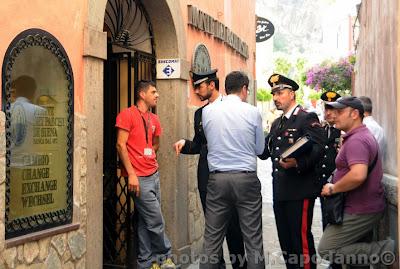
[302, 145]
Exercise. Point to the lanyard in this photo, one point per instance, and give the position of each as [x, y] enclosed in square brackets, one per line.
[146, 126]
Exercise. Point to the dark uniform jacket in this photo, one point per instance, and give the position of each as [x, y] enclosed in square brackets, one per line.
[327, 164]
[199, 146]
[299, 182]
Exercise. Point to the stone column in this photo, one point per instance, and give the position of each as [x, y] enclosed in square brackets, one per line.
[94, 52]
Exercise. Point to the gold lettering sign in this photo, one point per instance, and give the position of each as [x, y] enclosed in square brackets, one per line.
[38, 90]
[38, 135]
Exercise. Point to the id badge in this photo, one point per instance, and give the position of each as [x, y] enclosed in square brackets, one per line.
[148, 151]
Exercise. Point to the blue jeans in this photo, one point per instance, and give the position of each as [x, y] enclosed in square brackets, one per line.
[154, 244]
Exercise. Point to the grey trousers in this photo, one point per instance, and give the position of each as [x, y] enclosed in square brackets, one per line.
[153, 243]
[339, 242]
[225, 192]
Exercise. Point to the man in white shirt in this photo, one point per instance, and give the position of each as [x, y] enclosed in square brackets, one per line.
[372, 125]
[235, 137]
[206, 86]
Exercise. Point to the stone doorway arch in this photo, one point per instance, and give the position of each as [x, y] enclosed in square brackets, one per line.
[170, 42]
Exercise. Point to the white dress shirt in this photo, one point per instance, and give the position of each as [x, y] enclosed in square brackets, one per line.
[234, 135]
[377, 131]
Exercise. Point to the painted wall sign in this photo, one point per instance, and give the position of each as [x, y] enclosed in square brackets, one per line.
[204, 22]
[265, 29]
[168, 68]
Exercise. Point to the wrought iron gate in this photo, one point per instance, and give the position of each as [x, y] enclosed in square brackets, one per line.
[121, 71]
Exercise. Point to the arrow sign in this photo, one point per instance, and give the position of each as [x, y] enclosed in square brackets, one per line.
[168, 68]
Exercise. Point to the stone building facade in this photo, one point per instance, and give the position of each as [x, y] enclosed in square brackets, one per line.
[377, 76]
[227, 33]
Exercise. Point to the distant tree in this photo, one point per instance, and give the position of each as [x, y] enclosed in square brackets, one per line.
[263, 95]
[280, 42]
[282, 66]
[294, 70]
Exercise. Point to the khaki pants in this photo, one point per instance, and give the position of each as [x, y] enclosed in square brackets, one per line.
[339, 243]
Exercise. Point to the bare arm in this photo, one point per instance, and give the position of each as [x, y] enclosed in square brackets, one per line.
[156, 143]
[133, 181]
[353, 179]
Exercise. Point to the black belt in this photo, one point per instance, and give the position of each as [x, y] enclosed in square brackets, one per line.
[231, 172]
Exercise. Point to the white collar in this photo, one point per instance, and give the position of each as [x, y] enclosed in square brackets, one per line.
[290, 112]
[233, 97]
[219, 98]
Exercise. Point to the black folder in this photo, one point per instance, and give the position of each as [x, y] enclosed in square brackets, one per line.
[302, 145]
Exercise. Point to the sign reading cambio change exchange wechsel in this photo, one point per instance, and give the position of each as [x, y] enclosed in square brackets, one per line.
[39, 113]
[39, 135]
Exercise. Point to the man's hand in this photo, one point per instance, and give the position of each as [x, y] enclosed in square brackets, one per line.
[288, 163]
[133, 184]
[327, 189]
[178, 146]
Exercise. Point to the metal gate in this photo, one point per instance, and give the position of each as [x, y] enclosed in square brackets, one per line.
[121, 71]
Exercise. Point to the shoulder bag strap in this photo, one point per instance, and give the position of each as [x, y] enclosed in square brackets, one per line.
[372, 166]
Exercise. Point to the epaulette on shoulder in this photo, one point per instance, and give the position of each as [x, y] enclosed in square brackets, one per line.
[298, 110]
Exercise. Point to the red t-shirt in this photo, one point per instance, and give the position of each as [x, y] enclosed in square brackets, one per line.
[131, 120]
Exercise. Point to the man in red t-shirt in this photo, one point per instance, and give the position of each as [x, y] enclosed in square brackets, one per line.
[137, 142]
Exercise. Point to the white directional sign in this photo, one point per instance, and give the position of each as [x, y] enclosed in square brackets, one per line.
[168, 68]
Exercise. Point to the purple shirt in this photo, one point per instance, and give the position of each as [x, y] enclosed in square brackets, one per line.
[360, 147]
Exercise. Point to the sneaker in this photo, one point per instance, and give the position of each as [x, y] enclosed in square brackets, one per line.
[168, 264]
[154, 265]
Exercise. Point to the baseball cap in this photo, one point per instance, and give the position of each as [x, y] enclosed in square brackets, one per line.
[348, 101]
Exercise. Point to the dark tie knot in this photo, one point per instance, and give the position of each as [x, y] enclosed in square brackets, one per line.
[282, 122]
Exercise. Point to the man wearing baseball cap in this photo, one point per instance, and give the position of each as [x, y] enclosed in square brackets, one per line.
[358, 174]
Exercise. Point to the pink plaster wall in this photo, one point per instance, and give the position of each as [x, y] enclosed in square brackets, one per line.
[63, 19]
[239, 16]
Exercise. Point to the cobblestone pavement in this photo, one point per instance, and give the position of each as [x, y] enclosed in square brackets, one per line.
[270, 237]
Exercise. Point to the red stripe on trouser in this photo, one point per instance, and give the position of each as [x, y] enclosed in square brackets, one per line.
[304, 226]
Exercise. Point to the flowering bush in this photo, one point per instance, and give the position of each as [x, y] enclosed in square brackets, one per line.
[334, 76]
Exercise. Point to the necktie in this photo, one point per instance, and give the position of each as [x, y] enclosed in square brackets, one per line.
[329, 131]
[282, 122]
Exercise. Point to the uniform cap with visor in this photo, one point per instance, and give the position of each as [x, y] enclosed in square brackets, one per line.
[279, 82]
[200, 77]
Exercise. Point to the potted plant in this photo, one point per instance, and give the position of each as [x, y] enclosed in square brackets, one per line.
[334, 76]
[314, 96]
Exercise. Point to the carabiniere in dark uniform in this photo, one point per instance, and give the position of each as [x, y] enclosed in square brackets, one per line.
[332, 134]
[199, 146]
[331, 150]
[301, 182]
[327, 165]
[294, 188]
